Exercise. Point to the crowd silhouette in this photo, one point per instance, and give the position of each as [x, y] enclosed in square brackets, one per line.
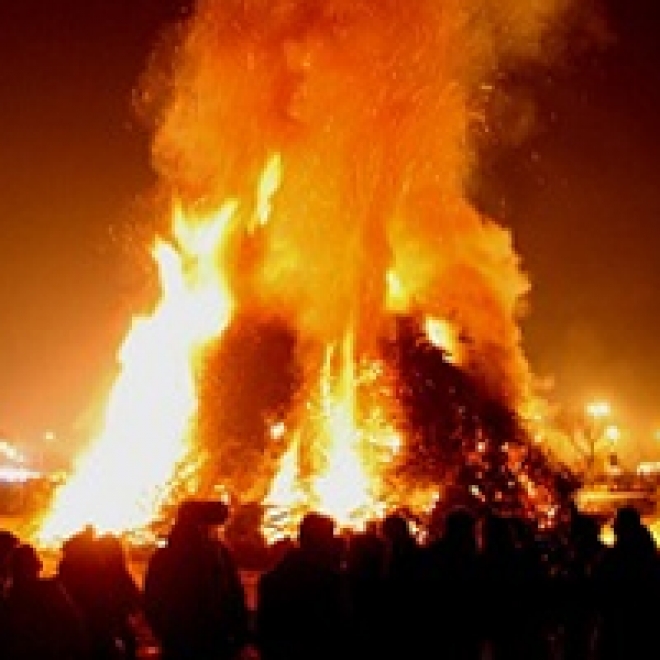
[474, 587]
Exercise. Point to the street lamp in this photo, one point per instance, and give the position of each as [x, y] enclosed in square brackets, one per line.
[598, 410]
[612, 434]
[596, 431]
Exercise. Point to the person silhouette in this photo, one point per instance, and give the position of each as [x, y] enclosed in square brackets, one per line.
[301, 607]
[194, 600]
[39, 619]
[627, 582]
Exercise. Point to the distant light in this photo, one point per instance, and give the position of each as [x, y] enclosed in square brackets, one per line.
[17, 474]
[612, 433]
[648, 468]
[598, 409]
[10, 452]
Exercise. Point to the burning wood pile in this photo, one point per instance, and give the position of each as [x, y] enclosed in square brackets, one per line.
[425, 433]
[339, 325]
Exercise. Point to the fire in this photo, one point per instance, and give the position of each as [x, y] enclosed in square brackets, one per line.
[331, 140]
[268, 185]
[341, 485]
[131, 470]
[443, 334]
[127, 473]
[343, 480]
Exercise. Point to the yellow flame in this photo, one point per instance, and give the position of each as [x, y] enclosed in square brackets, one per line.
[344, 480]
[443, 334]
[343, 486]
[269, 183]
[397, 296]
[125, 476]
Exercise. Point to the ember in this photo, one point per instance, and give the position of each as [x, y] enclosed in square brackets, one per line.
[339, 326]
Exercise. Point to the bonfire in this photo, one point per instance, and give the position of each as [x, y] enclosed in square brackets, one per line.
[339, 326]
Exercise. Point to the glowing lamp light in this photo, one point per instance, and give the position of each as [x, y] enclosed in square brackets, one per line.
[612, 433]
[16, 475]
[598, 409]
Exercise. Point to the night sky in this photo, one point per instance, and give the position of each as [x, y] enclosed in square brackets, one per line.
[580, 190]
[582, 194]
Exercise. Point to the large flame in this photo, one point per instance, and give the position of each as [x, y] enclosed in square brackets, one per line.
[333, 138]
[126, 476]
[342, 478]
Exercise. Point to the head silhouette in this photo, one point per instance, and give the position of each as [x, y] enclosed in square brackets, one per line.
[316, 532]
[24, 564]
[627, 521]
[460, 527]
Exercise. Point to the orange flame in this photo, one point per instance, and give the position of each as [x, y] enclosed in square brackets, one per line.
[371, 106]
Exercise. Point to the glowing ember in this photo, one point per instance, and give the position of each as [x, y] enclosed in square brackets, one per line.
[443, 334]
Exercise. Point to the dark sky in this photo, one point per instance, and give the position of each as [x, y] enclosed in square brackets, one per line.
[581, 193]
[74, 159]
